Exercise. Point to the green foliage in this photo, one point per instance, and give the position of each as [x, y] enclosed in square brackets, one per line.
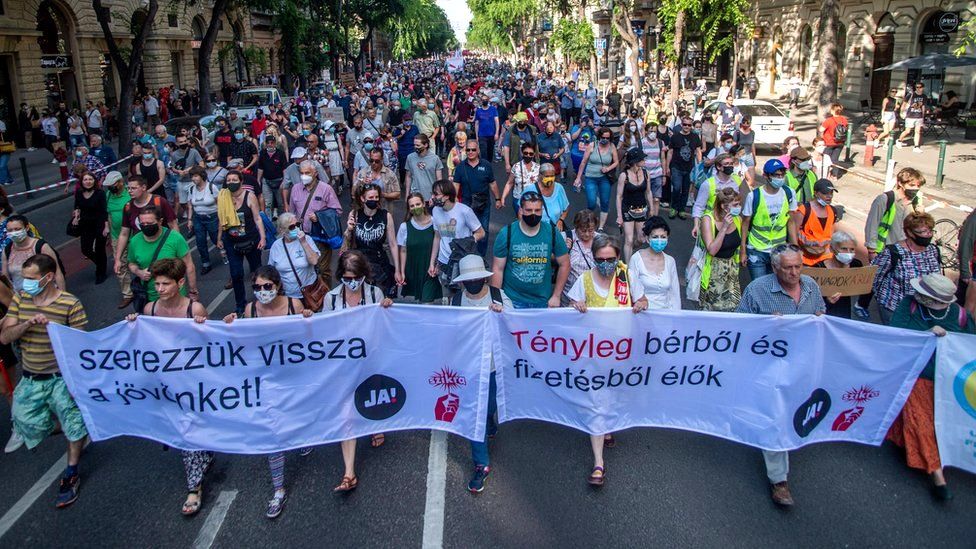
[709, 18]
[969, 40]
[574, 39]
[500, 23]
[256, 57]
[422, 29]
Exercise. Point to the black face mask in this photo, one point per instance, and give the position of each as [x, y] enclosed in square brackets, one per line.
[728, 170]
[233, 187]
[372, 204]
[922, 241]
[911, 193]
[439, 202]
[521, 125]
[150, 230]
[474, 286]
[532, 220]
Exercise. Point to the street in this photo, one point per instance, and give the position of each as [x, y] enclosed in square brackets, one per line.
[664, 488]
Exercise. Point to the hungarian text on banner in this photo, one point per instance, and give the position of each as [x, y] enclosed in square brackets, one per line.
[955, 401]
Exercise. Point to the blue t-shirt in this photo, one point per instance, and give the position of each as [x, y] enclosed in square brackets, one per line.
[587, 136]
[486, 121]
[528, 267]
[555, 204]
[549, 144]
[473, 179]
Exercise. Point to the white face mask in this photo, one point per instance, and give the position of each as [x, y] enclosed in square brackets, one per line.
[306, 179]
[353, 285]
[266, 296]
[806, 165]
[845, 258]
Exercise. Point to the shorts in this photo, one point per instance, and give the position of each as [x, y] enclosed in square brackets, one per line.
[657, 186]
[35, 401]
[888, 117]
[184, 189]
[913, 123]
[749, 161]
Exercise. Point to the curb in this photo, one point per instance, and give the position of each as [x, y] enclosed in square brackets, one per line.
[40, 203]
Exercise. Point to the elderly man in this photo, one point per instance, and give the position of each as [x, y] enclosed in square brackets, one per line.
[785, 292]
[105, 154]
[84, 158]
[292, 176]
[313, 194]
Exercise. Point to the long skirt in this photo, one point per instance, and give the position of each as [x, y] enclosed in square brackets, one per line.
[914, 428]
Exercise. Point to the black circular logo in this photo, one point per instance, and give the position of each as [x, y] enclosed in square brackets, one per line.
[380, 397]
[949, 21]
[811, 412]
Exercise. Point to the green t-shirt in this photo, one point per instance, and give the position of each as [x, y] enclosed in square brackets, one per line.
[116, 203]
[528, 267]
[141, 252]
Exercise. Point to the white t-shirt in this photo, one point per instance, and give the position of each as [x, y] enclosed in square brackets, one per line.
[401, 235]
[278, 260]
[662, 290]
[773, 203]
[204, 201]
[485, 301]
[460, 222]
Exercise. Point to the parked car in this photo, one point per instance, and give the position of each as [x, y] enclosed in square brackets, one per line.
[771, 125]
[207, 124]
[247, 101]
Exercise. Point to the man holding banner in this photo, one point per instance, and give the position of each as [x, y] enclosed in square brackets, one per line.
[785, 291]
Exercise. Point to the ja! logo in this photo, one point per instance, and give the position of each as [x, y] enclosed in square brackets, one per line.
[811, 412]
[380, 397]
[964, 388]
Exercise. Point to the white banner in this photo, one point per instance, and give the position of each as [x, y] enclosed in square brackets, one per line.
[455, 63]
[264, 385]
[955, 401]
[776, 383]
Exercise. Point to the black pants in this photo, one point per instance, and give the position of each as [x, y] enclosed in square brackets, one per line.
[567, 115]
[93, 247]
[487, 146]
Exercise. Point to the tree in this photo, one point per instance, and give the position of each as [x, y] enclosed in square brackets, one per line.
[421, 30]
[128, 67]
[621, 22]
[673, 15]
[969, 40]
[827, 87]
[510, 18]
[206, 50]
[574, 38]
[715, 18]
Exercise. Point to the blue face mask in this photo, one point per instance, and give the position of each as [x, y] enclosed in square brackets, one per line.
[239, 136]
[32, 287]
[147, 156]
[735, 211]
[367, 147]
[777, 182]
[306, 133]
[293, 234]
[658, 244]
[606, 268]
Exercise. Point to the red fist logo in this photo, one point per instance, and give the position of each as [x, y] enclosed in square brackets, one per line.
[446, 408]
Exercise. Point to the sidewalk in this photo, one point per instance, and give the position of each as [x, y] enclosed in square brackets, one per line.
[42, 173]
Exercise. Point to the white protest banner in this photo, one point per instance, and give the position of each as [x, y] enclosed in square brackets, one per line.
[776, 383]
[955, 401]
[265, 385]
[333, 114]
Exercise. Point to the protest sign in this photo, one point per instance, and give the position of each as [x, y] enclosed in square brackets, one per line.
[847, 282]
[334, 114]
[347, 79]
[265, 385]
[776, 383]
[955, 401]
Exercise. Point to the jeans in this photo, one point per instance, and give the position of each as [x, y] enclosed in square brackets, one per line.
[484, 218]
[479, 449]
[594, 185]
[4, 172]
[272, 196]
[680, 185]
[76, 140]
[487, 146]
[759, 264]
[204, 225]
[777, 465]
[235, 261]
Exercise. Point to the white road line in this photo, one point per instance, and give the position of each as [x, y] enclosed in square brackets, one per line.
[28, 499]
[211, 527]
[218, 300]
[436, 480]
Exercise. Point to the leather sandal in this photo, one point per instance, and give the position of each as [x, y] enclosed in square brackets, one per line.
[597, 476]
[191, 508]
[377, 440]
[348, 484]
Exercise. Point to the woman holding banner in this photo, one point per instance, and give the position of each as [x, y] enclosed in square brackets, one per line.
[654, 274]
[842, 246]
[722, 235]
[169, 275]
[272, 301]
[604, 285]
[931, 308]
[353, 291]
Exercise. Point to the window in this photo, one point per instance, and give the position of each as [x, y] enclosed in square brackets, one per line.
[1, 7]
[173, 20]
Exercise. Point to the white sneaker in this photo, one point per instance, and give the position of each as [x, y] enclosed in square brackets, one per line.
[916, 149]
[899, 144]
[31, 149]
[54, 161]
[14, 443]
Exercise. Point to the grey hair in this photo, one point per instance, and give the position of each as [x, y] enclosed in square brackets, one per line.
[547, 168]
[841, 237]
[777, 253]
[308, 164]
[284, 219]
[603, 240]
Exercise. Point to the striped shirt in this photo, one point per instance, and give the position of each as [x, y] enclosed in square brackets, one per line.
[35, 344]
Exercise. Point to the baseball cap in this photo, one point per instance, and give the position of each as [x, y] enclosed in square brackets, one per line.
[235, 162]
[823, 186]
[299, 152]
[773, 165]
[799, 153]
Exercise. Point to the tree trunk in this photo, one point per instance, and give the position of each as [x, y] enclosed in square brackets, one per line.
[735, 60]
[128, 68]
[827, 87]
[621, 21]
[206, 52]
[679, 35]
[594, 69]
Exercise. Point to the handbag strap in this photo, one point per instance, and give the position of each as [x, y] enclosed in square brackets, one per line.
[284, 244]
[301, 218]
[159, 247]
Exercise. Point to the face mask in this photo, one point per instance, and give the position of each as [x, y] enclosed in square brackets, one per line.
[367, 147]
[604, 141]
[417, 212]
[606, 268]
[353, 285]
[911, 193]
[150, 230]
[777, 182]
[79, 154]
[474, 286]
[806, 165]
[32, 287]
[658, 244]
[293, 234]
[233, 187]
[532, 220]
[212, 164]
[18, 236]
[306, 133]
[728, 170]
[372, 204]
[820, 149]
[239, 136]
[548, 181]
[266, 296]
[438, 202]
[306, 179]
[921, 240]
[633, 129]
[521, 125]
[726, 146]
[184, 146]
[845, 258]
[147, 156]
[822, 202]
[735, 211]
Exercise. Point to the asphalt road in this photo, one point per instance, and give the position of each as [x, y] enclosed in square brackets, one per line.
[664, 487]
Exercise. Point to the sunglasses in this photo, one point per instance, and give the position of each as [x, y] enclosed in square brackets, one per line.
[292, 227]
[267, 286]
[683, 125]
[524, 155]
[349, 278]
[471, 150]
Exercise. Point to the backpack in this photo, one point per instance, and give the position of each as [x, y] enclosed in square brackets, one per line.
[896, 257]
[840, 132]
[496, 297]
[37, 249]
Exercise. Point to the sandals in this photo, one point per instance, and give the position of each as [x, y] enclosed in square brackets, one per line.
[609, 441]
[348, 484]
[191, 508]
[597, 476]
[378, 440]
[275, 505]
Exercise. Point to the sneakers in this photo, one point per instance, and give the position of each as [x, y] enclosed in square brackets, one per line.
[899, 145]
[861, 312]
[477, 483]
[13, 443]
[31, 149]
[781, 494]
[54, 161]
[68, 491]
[916, 150]
[671, 213]
[275, 505]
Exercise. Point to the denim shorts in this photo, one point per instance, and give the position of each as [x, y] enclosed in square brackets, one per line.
[35, 401]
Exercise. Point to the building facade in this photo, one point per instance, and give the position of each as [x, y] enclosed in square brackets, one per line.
[54, 50]
[871, 34]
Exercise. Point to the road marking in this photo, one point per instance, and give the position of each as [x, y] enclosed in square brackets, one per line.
[215, 520]
[217, 301]
[28, 499]
[436, 481]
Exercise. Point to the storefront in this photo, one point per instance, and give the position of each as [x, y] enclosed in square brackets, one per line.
[57, 43]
